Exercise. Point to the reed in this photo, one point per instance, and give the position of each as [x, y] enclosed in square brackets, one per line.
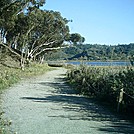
[105, 84]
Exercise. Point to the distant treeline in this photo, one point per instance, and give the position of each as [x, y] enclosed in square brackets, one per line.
[94, 52]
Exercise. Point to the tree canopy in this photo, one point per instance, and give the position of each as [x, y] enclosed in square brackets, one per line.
[30, 32]
[121, 52]
[76, 38]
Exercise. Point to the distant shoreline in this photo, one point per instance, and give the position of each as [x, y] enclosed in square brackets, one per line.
[92, 63]
[100, 63]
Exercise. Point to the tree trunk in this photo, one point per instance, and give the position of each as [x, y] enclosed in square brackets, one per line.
[41, 59]
[22, 62]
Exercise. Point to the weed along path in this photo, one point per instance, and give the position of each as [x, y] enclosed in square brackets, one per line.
[46, 105]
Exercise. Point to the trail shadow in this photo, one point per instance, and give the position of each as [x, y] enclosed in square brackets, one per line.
[85, 108]
[60, 87]
[120, 128]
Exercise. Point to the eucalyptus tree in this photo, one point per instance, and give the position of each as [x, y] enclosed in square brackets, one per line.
[31, 32]
[10, 12]
[50, 34]
[76, 38]
[36, 32]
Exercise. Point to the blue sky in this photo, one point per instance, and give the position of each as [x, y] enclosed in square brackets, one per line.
[109, 22]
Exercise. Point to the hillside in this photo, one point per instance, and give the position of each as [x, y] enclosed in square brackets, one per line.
[94, 52]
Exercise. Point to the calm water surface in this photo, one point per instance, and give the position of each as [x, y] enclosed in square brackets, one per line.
[100, 63]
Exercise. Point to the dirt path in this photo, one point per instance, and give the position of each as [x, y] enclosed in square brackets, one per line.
[46, 105]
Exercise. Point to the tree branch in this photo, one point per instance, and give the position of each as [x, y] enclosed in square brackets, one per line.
[50, 49]
[10, 49]
[45, 44]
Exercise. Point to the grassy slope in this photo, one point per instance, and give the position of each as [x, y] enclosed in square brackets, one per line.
[9, 76]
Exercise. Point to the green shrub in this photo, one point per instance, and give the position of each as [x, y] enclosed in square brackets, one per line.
[105, 83]
[3, 124]
[9, 76]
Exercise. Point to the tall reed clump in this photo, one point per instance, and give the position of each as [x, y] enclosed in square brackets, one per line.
[105, 83]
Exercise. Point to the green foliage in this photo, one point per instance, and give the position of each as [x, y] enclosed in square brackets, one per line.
[100, 52]
[131, 58]
[9, 76]
[38, 30]
[3, 124]
[105, 84]
[30, 32]
[76, 38]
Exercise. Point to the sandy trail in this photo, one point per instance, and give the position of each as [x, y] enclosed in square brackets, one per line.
[46, 105]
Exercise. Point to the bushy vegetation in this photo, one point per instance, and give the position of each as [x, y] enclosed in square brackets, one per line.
[96, 52]
[105, 84]
[29, 32]
[3, 124]
[9, 76]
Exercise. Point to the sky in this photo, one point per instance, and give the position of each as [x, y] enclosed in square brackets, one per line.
[109, 22]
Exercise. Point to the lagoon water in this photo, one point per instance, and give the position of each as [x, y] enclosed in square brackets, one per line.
[101, 63]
